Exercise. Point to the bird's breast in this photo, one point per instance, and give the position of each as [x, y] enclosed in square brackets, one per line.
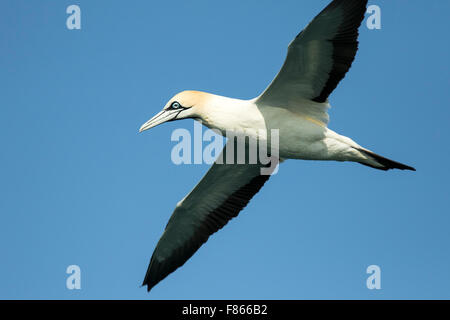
[235, 117]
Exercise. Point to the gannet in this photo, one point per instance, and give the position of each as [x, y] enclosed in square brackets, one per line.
[295, 103]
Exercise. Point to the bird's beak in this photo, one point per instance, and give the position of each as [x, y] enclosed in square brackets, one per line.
[163, 116]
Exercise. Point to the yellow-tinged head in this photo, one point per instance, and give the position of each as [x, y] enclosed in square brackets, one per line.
[186, 104]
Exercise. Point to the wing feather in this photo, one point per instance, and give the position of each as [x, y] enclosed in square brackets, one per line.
[318, 59]
[222, 193]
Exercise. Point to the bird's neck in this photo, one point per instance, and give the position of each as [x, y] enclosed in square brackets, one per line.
[229, 114]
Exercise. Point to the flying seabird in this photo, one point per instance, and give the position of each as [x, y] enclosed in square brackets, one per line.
[295, 103]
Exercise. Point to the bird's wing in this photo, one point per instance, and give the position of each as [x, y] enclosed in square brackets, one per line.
[222, 193]
[318, 58]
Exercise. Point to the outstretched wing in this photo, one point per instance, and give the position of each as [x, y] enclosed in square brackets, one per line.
[319, 57]
[222, 193]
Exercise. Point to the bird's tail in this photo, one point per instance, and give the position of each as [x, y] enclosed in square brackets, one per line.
[381, 163]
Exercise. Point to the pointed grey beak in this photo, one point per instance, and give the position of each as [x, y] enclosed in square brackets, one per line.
[161, 117]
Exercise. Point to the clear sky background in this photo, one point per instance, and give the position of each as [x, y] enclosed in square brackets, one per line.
[79, 185]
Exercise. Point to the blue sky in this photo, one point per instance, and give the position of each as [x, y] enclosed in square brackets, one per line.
[80, 186]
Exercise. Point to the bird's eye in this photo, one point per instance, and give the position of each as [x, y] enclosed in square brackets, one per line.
[175, 105]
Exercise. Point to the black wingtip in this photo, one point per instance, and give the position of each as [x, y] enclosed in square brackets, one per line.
[345, 42]
[146, 284]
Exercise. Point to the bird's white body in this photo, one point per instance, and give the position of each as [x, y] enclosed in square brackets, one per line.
[301, 136]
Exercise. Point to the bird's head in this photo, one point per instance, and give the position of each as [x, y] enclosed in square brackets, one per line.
[186, 104]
